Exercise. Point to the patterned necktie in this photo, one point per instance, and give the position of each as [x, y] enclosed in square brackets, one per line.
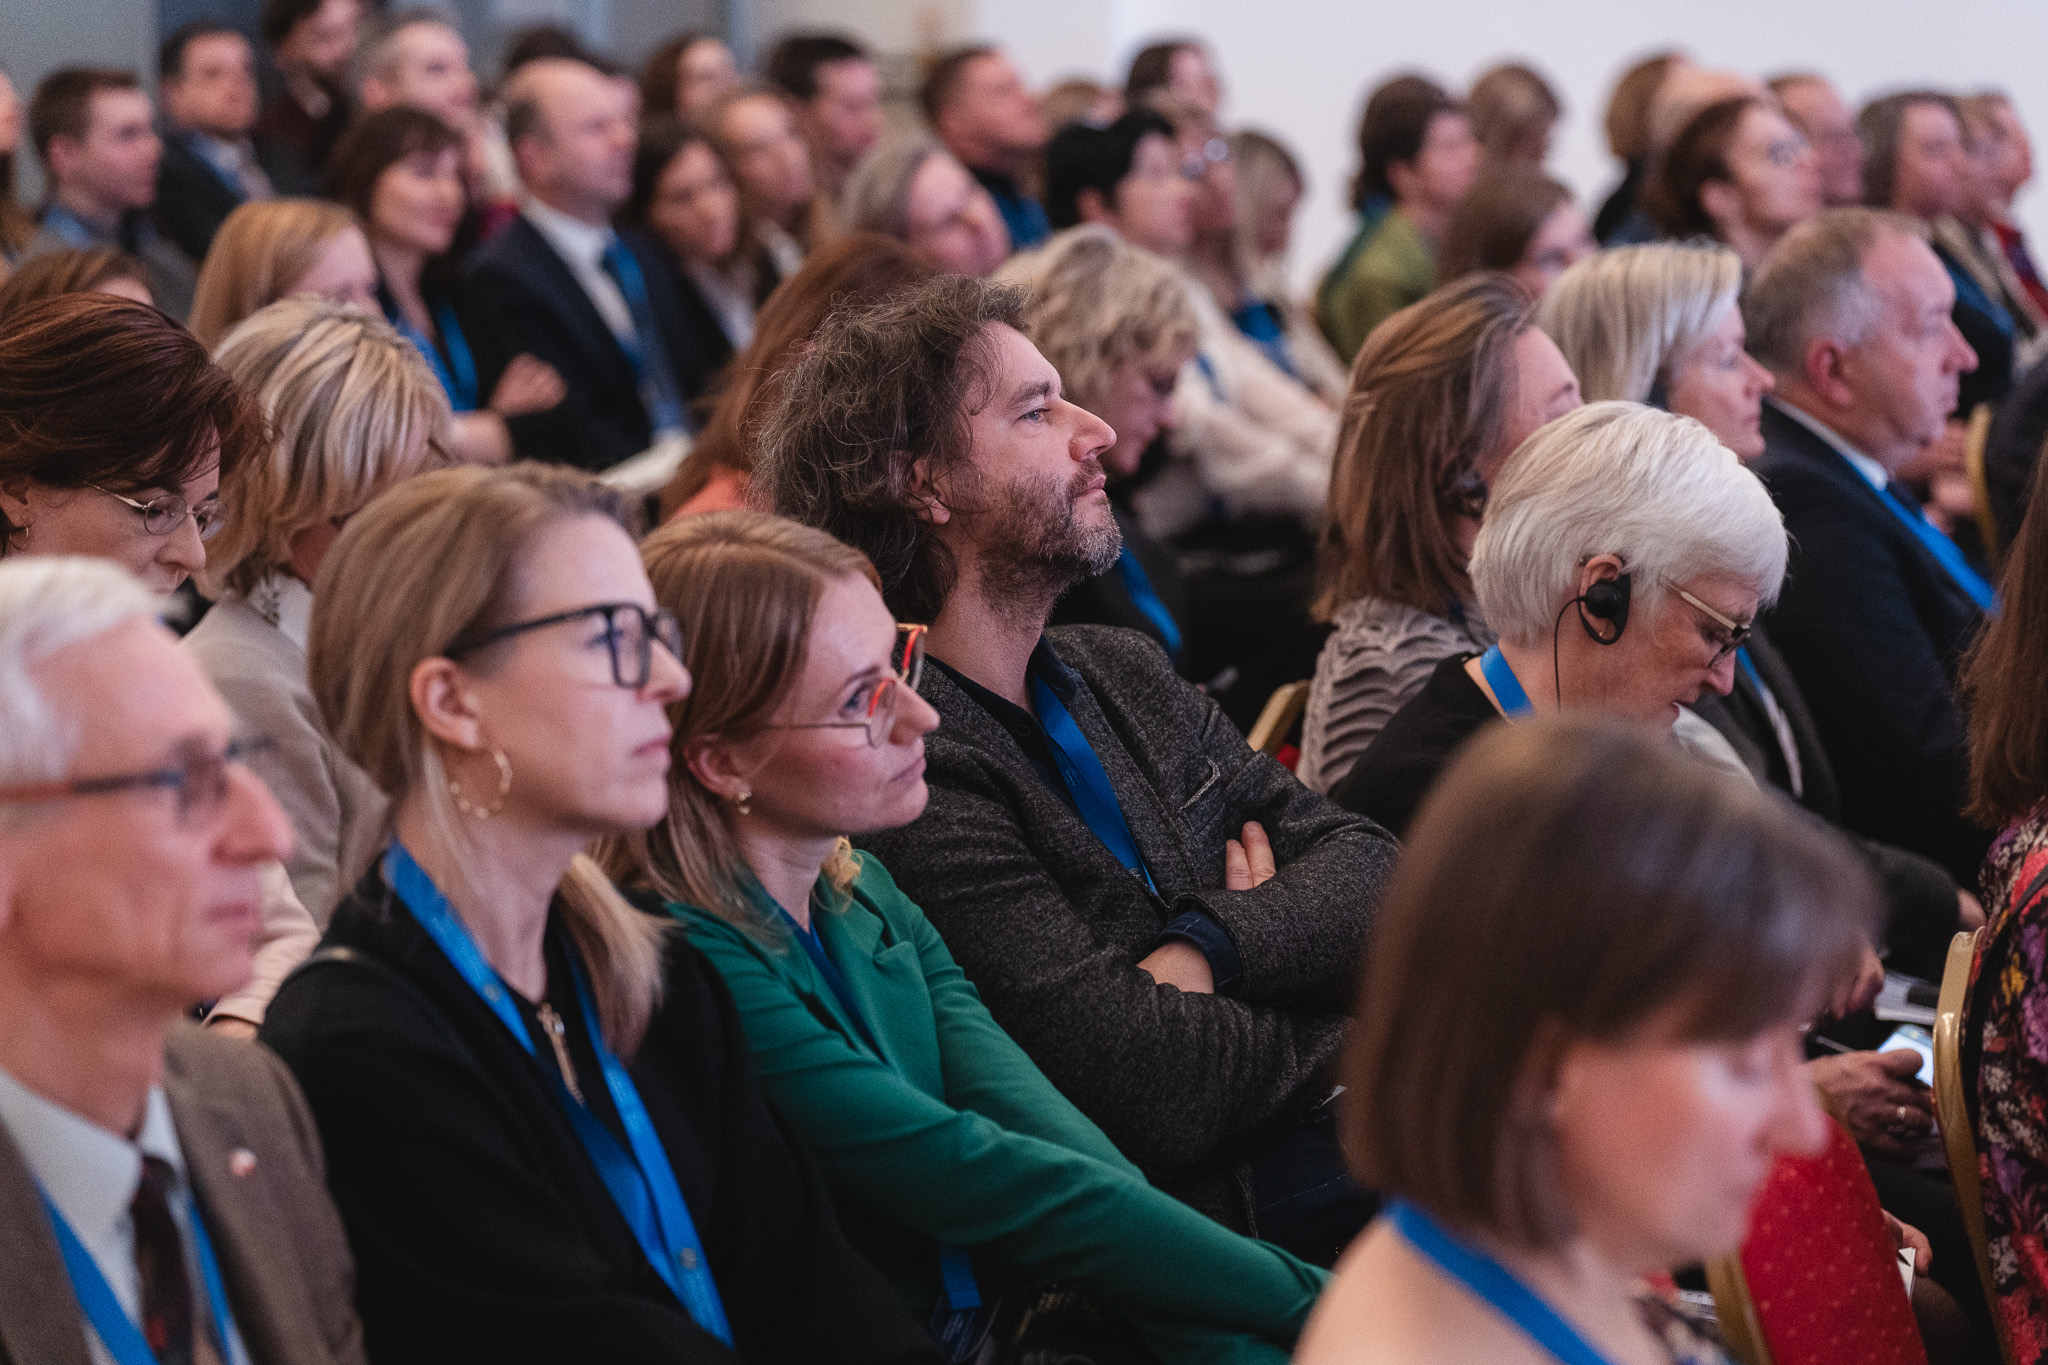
[160, 1260]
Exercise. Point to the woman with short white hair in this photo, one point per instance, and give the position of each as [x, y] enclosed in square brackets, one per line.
[1659, 324]
[352, 409]
[911, 188]
[1623, 555]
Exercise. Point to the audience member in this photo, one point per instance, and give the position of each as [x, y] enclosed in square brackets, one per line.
[93, 134]
[1639, 526]
[590, 1168]
[1128, 176]
[416, 59]
[1740, 172]
[271, 250]
[399, 170]
[1649, 942]
[183, 1211]
[1818, 111]
[352, 410]
[1080, 100]
[1118, 325]
[1517, 220]
[755, 131]
[978, 105]
[1417, 159]
[551, 41]
[1270, 187]
[16, 224]
[1213, 259]
[951, 1153]
[1680, 95]
[1972, 236]
[206, 82]
[91, 270]
[1514, 113]
[1179, 69]
[311, 43]
[1628, 136]
[1850, 312]
[1118, 962]
[685, 76]
[837, 90]
[1441, 395]
[859, 269]
[1660, 324]
[2011, 165]
[911, 188]
[2001, 1036]
[597, 306]
[2012, 451]
[1915, 162]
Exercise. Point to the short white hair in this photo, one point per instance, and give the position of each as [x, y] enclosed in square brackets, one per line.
[46, 603]
[1654, 489]
[1623, 317]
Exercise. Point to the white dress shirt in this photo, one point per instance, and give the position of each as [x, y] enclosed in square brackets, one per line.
[1875, 474]
[581, 246]
[91, 1175]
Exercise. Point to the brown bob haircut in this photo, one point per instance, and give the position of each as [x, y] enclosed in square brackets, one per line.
[661, 75]
[2001, 682]
[1698, 156]
[1498, 218]
[1429, 396]
[78, 270]
[1586, 880]
[1882, 126]
[99, 390]
[880, 390]
[374, 144]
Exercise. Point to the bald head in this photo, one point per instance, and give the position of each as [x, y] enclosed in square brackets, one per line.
[571, 131]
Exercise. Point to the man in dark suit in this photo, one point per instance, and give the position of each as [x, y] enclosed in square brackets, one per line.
[1165, 920]
[161, 1187]
[1851, 313]
[206, 83]
[594, 303]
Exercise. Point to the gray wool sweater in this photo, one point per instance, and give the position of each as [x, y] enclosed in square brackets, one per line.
[1050, 927]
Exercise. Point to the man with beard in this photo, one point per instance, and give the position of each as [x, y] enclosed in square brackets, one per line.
[1165, 920]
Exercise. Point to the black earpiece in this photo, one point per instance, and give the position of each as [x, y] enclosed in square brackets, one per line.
[1607, 600]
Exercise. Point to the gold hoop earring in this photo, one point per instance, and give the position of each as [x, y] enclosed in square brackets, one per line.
[740, 801]
[462, 802]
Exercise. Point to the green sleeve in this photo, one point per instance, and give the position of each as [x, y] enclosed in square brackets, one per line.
[960, 1177]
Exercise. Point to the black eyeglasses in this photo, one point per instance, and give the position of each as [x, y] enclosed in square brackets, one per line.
[878, 704]
[163, 515]
[199, 776]
[630, 631]
[1738, 631]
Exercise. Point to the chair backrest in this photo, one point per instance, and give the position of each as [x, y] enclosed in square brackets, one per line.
[1817, 1214]
[1952, 1107]
[1275, 723]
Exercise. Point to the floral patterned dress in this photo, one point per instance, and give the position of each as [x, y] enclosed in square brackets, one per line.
[2005, 1045]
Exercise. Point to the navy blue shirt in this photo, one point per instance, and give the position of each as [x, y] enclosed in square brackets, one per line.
[1022, 215]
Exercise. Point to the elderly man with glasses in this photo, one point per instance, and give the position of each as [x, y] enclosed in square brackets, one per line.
[162, 1196]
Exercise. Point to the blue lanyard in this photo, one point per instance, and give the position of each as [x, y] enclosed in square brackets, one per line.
[1507, 689]
[1086, 782]
[1945, 552]
[1145, 598]
[117, 1331]
[1494, 1283]
[956, 1267]
[452, 371]
[643, 1185]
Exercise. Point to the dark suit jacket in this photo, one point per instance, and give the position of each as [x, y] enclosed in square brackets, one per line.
[192, 201]
[1920, 896]
[1050, 926]
[482, 1228]
[290, 1283]
[546, 312]
[1873, 629]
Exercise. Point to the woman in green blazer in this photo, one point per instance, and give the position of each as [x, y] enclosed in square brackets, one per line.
[957, 1167]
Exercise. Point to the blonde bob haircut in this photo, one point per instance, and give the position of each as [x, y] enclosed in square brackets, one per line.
[1591, 883]
[260, 252]
[1095, 303]
[1624, 318]
[439, 557]
[352, 409]
[747, 586]
[1654, 489]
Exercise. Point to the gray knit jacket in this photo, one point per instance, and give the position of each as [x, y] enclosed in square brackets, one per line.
[1050, 926]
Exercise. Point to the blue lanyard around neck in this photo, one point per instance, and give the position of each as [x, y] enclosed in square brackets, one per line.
[1945, 551]
[116, 1330]
[1086, 782]
[457, 369]
[643, 1185]
[1146, 599]
[1507, 688]
[1496, 1284]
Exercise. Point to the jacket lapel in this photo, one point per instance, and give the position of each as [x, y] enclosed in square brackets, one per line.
[560, 283]
[887, 982]
[40, 1322]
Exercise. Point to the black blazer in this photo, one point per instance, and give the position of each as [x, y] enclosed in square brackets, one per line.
[546, 312]
[482, 1230]
[192, 201]
[1873, 628]
[1920, 896]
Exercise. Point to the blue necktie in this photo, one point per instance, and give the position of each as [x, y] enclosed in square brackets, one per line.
[645, 352]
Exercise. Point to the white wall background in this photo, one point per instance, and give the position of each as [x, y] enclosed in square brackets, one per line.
[1301, 68]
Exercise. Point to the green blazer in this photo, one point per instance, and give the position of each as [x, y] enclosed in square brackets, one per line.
[952, 1135]
[1392, 269]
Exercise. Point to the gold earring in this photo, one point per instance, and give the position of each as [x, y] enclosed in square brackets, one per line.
[740, 799]
[504, 789]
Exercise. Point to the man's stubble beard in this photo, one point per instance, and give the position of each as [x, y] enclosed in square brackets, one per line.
[1033, 544]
